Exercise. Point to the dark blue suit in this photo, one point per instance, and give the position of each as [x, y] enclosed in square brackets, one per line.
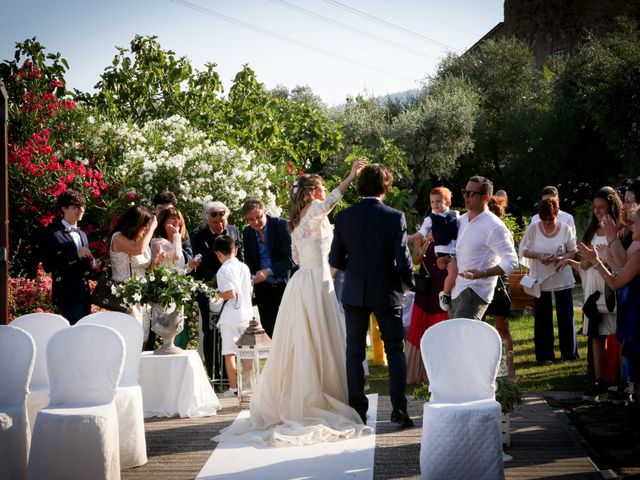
[269, 294]
[69, 273]
[370, 245]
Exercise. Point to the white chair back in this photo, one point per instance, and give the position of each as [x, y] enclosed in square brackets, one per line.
[461, 357]
[133, 336]
[17, 353]
[84, 364]
[41, 326]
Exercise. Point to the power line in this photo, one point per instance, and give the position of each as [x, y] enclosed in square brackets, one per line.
[429, 17]
[286, 39]
[363, 33]
[380, 21]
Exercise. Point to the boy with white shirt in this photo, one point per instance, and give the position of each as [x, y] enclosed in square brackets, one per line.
[234, 285]
[442, 222]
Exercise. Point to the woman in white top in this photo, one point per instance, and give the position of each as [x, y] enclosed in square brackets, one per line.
[130, 252]
[607, 207]
[543, 246]
[166, 245]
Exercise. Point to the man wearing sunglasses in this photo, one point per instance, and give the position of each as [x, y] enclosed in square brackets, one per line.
[214, 224]
[484, 250]
[267, 253]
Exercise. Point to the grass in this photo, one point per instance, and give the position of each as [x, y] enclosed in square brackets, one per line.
[532, 376]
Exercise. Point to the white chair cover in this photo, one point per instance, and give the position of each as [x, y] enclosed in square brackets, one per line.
[133, 445]
[461, 422]
[41, 326]
[17, 353]
[76, 437]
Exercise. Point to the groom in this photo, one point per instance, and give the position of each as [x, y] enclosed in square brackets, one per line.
[370, 245]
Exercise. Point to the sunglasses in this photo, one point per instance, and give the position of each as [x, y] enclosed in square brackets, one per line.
[216, 214]
[469, 193]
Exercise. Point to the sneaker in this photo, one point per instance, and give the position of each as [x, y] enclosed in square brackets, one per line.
[445, 301]
[598, 388]
[231, 393]
[619, 394]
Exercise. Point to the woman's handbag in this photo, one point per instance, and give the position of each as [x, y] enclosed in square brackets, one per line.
[103, 297]
[530, 286]
[421, 280]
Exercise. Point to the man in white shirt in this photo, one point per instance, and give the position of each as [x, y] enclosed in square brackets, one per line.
[563, 217]
[484, 250]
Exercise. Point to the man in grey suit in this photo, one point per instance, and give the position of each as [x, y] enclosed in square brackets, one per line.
[370, 245]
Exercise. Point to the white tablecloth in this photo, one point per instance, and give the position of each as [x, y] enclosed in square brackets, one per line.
[176, 385]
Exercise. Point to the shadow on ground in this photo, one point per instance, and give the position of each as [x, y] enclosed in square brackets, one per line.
[611, 432]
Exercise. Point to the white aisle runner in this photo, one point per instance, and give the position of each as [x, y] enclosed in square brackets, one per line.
[351, 459]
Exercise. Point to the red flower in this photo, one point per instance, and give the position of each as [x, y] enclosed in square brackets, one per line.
[45, 220]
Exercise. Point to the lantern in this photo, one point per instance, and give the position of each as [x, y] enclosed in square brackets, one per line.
[253, 349]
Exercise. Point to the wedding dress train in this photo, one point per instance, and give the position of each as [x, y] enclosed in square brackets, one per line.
[302, 396]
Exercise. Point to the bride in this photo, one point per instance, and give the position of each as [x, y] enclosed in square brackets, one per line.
[301, 397]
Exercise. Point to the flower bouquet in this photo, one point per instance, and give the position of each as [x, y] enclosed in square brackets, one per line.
[167, 293]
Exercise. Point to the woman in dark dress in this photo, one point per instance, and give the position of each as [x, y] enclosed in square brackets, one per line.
[426, 309]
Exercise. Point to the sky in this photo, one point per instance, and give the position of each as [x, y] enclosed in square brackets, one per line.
[339, 48]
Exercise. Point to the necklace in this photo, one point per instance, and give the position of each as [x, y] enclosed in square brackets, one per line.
[552, 232]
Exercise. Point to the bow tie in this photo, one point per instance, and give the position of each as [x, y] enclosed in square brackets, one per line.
[72, 229]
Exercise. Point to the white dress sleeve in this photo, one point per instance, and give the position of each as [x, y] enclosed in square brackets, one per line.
[315, 220]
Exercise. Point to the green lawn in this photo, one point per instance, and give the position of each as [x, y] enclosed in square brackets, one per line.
[532, 376]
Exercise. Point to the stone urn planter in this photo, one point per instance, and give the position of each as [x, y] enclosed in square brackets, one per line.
[167, 322]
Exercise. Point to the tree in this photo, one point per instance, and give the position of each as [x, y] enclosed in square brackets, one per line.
[436, 132]
[146, 82]
[595, 108]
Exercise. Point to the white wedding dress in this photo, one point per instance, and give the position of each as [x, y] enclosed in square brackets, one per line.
[302, 397]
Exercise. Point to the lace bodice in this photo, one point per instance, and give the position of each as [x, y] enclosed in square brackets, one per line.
[311, 239]
[124, 265]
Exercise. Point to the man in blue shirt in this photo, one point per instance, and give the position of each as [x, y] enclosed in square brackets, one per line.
[267, 253]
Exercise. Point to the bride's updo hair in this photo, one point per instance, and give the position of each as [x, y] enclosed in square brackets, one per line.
[301, 195]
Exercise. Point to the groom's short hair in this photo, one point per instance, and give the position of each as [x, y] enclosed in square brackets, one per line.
[374, 180]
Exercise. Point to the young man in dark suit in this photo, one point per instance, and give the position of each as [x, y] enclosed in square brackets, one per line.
[267, 253]
[66, 255]
[370, 245]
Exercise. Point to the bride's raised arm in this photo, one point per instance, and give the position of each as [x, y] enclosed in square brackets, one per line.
[325, 206]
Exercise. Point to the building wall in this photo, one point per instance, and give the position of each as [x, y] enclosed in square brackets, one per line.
[555, 26]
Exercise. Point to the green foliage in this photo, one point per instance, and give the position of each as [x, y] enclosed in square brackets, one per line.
[146, 82]
[47, 154]
[595, 109]
[438, 131]
[363, 122]
[517, 231]
[172, 154]
[508, 394]
[164, 286]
